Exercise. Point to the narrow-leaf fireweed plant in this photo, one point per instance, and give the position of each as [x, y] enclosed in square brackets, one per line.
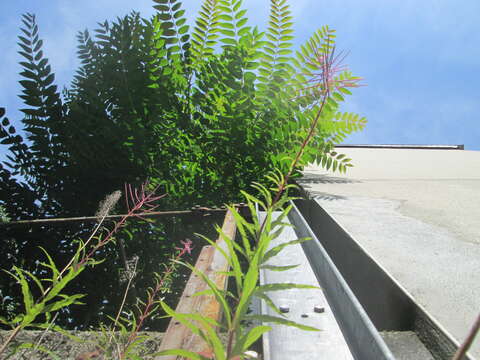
[123, 339]
[38, 312]
[319, 82]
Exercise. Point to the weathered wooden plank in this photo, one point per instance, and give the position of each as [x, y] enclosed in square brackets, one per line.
[176, 333]
[212, 263]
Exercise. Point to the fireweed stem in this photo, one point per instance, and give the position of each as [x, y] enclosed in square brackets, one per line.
[152, 295]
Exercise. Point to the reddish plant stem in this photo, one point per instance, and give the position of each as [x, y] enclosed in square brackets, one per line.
[286, 178]
[326, 83]
[139, 201]
[462, 350]
[152, 295]
[305, 142]
[107, 239]
[299, 154]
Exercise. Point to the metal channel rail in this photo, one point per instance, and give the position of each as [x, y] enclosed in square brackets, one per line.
[363, 313]
[346, 330]
[364, 296]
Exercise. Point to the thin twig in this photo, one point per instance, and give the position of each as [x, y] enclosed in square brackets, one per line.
[325, 79]
[112, 217]
[84, 245]
[299, 154]
[130, 278]
[12, 336]
[45, 331]
[462, 350]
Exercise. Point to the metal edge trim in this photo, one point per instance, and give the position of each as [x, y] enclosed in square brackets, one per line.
[422, 311]
[362, 350]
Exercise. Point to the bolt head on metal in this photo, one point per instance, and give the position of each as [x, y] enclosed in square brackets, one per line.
[251, 354]
[319, 309]
[284, 308]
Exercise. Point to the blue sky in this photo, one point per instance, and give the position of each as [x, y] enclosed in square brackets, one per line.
[420, 59]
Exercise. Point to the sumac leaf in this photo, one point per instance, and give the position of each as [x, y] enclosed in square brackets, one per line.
[39, 55]
[38, 46]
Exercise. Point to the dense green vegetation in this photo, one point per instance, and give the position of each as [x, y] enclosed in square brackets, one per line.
[201, 112]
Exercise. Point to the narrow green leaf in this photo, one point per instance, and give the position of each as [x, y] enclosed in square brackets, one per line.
[218, 295]
[228, 41]
[278, 268]
[244, 31]
[240, 14]
[281, 321]
[283, 286]
[249, 339]
[183, 29]
[179, 14]
[26, 293]
[225, 17]
[68, 300]
[275, 250]
[269, 302]
[241, 23]
[38, 45]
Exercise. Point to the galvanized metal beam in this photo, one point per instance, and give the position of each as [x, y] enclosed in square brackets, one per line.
[305, 306]
[389, 306]
[361, 335]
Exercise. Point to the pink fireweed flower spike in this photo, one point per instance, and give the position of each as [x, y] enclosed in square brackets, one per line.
[187, 247]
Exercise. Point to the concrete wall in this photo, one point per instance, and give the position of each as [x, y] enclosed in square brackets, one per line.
[417, 212]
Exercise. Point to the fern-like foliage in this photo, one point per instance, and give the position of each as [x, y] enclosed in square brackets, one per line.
[322, 81]
[151, 97]
[18, 150]
[87, 51]
[39, 92]
[204, 35]
[175, 33]
[19, 200]
[232, 22]
[157, 56]
[275, 65]
[173, 24]
[44, 112]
